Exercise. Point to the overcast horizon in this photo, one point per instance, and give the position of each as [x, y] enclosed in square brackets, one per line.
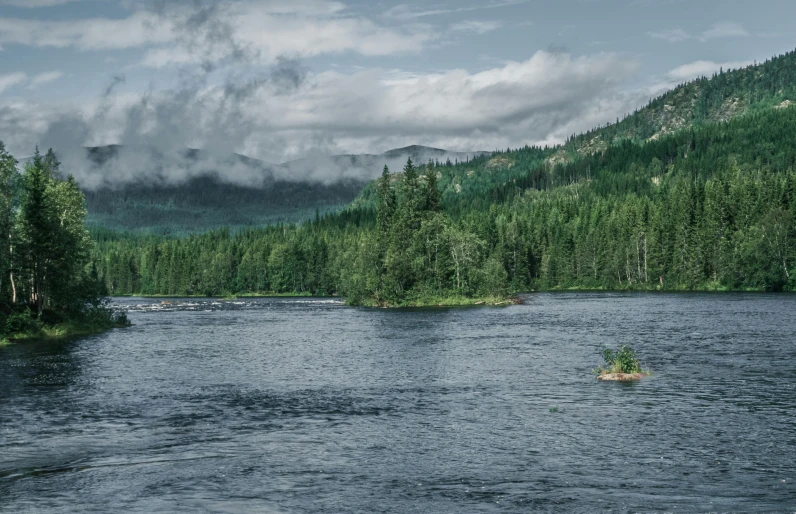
[281, 80]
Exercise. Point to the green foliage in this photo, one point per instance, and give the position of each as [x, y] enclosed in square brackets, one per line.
[22, 323]
[47, 285]
[623, 360]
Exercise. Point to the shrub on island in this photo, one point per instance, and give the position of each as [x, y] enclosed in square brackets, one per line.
[621, 365]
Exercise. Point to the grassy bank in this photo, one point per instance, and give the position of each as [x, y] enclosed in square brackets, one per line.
[24, 325]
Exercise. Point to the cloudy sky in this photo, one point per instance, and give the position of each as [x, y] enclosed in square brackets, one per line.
[282, 79]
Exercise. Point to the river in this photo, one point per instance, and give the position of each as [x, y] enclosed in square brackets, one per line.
[306, 405]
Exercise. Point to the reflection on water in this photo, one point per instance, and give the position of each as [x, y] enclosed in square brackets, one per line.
[305, 405]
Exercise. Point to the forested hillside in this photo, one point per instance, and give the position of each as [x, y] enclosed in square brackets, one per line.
[709, 206]
[205, 203]
[723, 96]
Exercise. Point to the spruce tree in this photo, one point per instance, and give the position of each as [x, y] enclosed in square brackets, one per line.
[386, 206]
[8, 171]
[433, 201]
[35, 232]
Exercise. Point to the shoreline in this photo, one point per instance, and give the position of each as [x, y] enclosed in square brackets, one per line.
[446, 302]
[452, 301]
[57, 333]
[455, 301]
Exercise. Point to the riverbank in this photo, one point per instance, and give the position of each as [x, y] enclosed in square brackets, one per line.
[447, 301]
[23, 326]
[430, 301]
[62, 331]
[650, 288]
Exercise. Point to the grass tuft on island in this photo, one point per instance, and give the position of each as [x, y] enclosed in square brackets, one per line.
[441, 301]
[621, 365]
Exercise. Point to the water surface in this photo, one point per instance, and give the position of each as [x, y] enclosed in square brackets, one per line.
[305, 405]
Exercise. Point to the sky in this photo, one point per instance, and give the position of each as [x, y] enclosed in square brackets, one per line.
[286, 79]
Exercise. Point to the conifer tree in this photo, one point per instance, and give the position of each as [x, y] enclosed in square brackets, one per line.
[433, 201]
[386, 205]
[8, 172]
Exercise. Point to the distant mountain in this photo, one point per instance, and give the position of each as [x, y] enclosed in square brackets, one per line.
[368, 166]
[144, 189]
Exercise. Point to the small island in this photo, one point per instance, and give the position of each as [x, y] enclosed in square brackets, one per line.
[621, 366]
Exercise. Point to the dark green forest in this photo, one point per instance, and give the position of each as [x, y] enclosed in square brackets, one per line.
[693, 192]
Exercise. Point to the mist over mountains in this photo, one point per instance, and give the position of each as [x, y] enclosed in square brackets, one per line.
[116, 167]
[143, 189]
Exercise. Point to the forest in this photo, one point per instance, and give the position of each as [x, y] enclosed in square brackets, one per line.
[45, 286]
[708, 208]
[694, 192]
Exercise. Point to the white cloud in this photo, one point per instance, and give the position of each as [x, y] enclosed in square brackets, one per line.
[208, 33]
[35, 3]
[672, 35]
[11, 79]
[407, 12]
[478, 27]
[261, 32]
[724, 29]
[139, 29]
[44, 78]
[19, 78]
